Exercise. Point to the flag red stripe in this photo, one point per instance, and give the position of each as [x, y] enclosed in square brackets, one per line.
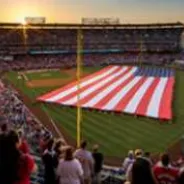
[144, 102]
[126, 99]
[82, 89]
[165, 110]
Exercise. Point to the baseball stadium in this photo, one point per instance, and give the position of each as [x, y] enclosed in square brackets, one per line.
[116, 85]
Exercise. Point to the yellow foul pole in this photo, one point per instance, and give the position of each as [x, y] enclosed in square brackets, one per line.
[79, 70]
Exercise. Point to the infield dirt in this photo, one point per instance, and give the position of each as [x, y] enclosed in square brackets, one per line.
[54, 82]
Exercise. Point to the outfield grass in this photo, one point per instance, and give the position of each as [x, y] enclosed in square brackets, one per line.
[117, 133]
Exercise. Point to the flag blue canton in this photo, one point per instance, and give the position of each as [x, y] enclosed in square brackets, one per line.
[154, 72]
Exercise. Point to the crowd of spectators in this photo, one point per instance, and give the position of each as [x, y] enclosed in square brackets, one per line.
[140, 168]
[21, 134]
[29, 62]
[153, 39]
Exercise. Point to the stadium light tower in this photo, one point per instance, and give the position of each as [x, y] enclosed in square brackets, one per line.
[79, 71]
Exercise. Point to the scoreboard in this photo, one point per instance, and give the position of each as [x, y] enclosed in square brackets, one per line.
[35, 20]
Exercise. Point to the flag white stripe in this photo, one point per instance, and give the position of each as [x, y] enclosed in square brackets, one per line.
[85, 83]
[136, 99]
[114, 101]
[108, 90]
[154, 104]
[93, 88]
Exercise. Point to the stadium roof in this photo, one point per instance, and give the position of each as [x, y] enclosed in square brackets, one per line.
[86, 26]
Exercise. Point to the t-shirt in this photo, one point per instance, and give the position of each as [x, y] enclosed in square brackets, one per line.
[98, 162]
[69, 172]
[50, 162]
[24, 147]
[127, 162]
[165, 175]
[26, 166]
[86, 159]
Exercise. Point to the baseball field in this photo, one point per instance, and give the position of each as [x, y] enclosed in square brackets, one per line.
[115, 134]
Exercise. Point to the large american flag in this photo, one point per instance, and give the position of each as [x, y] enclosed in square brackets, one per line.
[145, 91]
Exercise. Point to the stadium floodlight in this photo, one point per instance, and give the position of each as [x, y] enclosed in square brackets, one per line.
[23, 22]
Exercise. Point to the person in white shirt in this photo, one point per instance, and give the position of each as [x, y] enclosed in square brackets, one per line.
[69, 170]
[137, 154]
[86, 159]
[129, 160]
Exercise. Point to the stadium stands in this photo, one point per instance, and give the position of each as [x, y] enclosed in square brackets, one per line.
[54, 46]
[48, 37]
[125, 37]
[27, 62]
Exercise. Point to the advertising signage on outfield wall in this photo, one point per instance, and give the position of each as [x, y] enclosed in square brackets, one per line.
[102, 51]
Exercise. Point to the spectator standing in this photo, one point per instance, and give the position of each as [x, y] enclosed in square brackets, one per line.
[142, 172]
[69, 169]
[50, 163]
[181, 176]
[98, 163]
[147, 156]
[59, 149]
[180, 161]
[15, 167]
[24, 147]
[164, 172]
[129, 160]
[138, 154]
[86, 159]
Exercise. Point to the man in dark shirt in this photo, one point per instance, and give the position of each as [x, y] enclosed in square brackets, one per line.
[49, 162]
[98, 163]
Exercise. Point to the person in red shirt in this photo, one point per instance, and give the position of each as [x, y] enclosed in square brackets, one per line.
[164, 172]
[24, 147]
[15, 167]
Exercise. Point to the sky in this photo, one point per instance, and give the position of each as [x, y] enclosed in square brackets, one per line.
[71, 11]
